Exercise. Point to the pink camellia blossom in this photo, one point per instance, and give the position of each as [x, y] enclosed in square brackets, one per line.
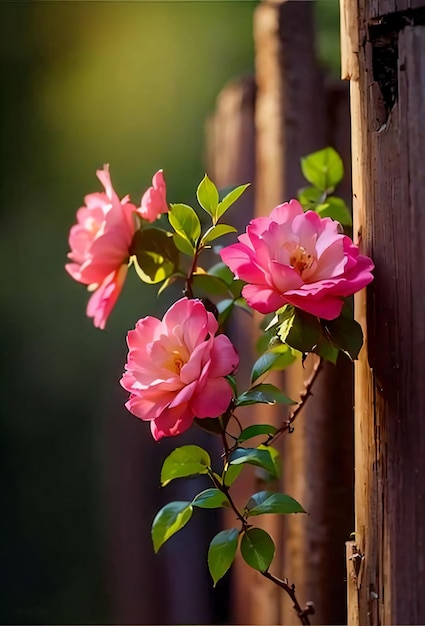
[100, 244]
[176, 368]
[154, 201]
[297, 258]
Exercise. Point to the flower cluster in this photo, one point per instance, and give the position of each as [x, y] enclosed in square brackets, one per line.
[298, 264]
[178, 367]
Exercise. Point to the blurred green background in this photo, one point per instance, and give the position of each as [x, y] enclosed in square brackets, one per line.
[84, 83]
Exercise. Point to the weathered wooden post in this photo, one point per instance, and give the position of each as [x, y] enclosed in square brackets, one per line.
[383, 54]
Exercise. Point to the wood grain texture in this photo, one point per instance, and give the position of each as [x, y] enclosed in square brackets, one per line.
[388, 185]
[296, 113]
[230, 149]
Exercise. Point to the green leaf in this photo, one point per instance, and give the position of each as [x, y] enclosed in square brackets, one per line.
[286, 316]
[170, 519]
[272, 502]
[209, 424]
[304, 332]
[184, 462]
[346, 335]
[336, 209]
[326, 350]
[222, 271]
[183, 245]
[310, 197]
[185, 222]
[217, 231]
[231, 473]
[241, 303]
[263, 365]
[207, 195]
[210, 285]
[273, 360]
[230, 199]
[255, 430]
[257, 548]
[254, 456]
[224, 308]
[323, 169]
[263, 394]
[275, 458]
[210, 499]
[155, 255]
[221, 553]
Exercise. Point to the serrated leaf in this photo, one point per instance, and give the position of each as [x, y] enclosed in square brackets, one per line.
[271, 502]
[169, 520]
[257, 549]
[323, 169]
[207, 194]
[210, 499]
[263, 394]
[217, 231]
[221, 553]
[346, 334]
[336, 209]
[254, 456]
[185, 222]
[184, 462]
[230, 199]
[255, 430]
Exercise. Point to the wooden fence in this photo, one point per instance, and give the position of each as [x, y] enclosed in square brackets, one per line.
[262, 127]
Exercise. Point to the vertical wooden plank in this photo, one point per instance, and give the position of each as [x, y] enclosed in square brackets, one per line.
[291, 121]
[388, 155]
[285, 132]
[230, 150]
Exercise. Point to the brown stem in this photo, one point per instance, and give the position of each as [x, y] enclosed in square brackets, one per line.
[224, 489]
[304, 395]
[225, 444]
[189, 279]
[290, 590]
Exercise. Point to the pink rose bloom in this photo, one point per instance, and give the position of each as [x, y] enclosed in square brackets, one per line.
[154, 201]
[100, 244]
[297, 258]
[176, 367]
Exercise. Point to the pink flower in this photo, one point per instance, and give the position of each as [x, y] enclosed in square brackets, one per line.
[297, 258]
[154, 201]
[176, 367]
[100, 244]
